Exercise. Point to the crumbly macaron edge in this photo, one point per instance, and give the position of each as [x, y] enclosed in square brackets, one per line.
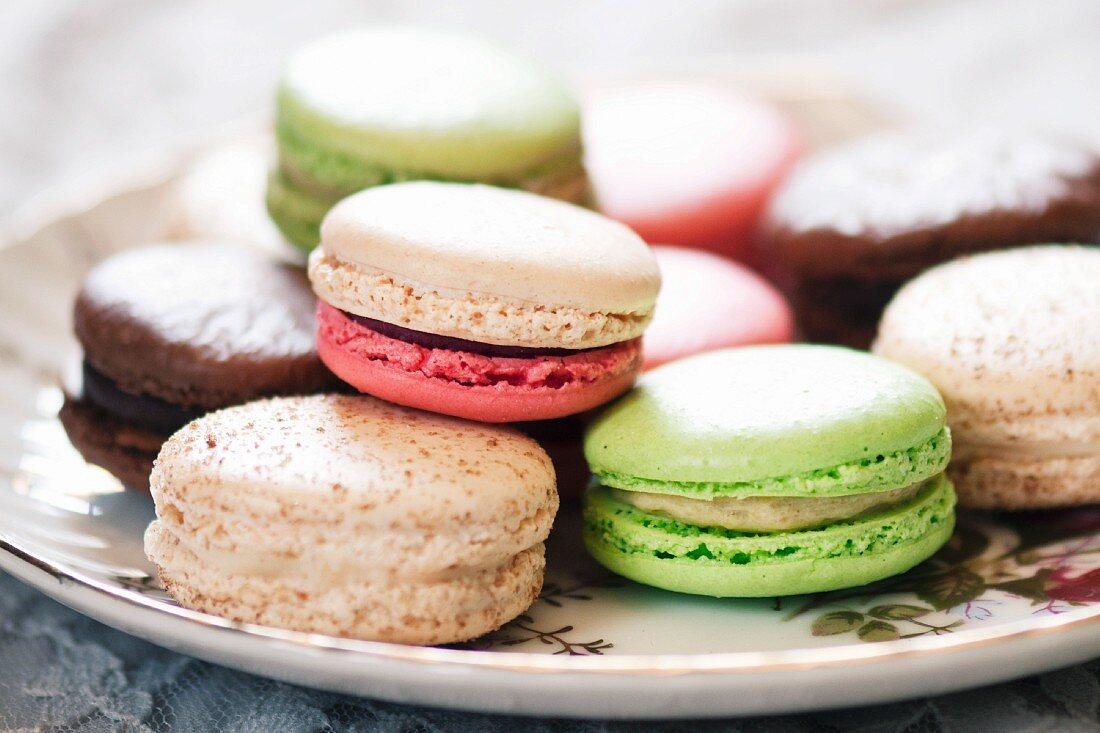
[480, 317]
[875, 473]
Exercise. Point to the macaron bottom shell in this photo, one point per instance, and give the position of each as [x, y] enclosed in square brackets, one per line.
[659, 551]
[449, 382]
[374, 608]
[124, 451]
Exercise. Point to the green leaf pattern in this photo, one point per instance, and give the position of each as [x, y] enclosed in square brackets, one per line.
[953, 587]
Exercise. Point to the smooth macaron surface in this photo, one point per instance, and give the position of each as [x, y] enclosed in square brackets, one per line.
[317, 513]
[1012, 340]
[769, 471]
[686, 163]
[772, 421]
[416, 103]
[709, 302]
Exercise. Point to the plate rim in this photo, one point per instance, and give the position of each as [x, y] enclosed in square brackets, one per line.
[843, 655]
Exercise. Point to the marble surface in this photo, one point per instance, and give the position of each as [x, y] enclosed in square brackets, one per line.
[88, 83]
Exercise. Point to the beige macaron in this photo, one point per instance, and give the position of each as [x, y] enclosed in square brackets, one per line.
[485, 264]
[1012, 341]
[221, 196]
[352, 517]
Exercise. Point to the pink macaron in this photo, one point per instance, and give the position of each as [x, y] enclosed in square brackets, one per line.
[709, 302]
[480, 302]
[687, 163]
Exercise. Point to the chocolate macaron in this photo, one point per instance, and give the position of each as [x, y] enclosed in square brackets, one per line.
[849, 226]
[172, 332]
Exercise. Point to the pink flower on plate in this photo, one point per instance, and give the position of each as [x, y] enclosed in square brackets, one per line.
[1080, 589]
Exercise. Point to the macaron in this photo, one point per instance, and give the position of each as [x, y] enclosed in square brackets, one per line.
[349, 516]
[172, 331]
[770, 471]
[850, 225]
[220, 196]
[686, 162]
[1012, 341]
[709, 302]
[381, 104]
[480, 302]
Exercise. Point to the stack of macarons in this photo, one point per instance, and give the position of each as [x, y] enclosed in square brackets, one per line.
[458, 281]
[382, 104]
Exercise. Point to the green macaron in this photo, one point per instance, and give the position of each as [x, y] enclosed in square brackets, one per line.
[771, 470]
[384, 104]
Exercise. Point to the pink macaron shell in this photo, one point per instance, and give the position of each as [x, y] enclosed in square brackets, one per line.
[473, 386]
[709, 302]
[687, 163]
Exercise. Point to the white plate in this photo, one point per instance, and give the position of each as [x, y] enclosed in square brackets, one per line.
[1007, 598]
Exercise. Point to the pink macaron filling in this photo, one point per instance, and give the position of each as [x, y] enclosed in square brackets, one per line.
[473, 369]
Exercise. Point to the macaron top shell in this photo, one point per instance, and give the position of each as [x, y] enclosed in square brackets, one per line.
[753, 420]
[1011, 338]
[685, 162]
[495, 246]
[891, 205]
[327, 456]
[708, 302]
[200, 324]
[429, 102]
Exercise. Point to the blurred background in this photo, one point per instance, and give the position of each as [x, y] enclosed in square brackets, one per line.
[92, 83]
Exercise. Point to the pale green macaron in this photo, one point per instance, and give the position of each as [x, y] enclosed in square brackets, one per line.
[771, 470]
[383, 104]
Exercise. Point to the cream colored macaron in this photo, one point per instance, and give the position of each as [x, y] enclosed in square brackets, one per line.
[488, 265]
[1012, 341]
[352, 517]
[221, 196]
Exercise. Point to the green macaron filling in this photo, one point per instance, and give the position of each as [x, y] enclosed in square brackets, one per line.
[330, 173]
[879, 472]
[296, 213]
[629, 530]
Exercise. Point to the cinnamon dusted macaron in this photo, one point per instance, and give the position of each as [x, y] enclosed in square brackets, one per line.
[353, 517]
[481, 302]
[1012, 340]
[172, 331]
[851, 225]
